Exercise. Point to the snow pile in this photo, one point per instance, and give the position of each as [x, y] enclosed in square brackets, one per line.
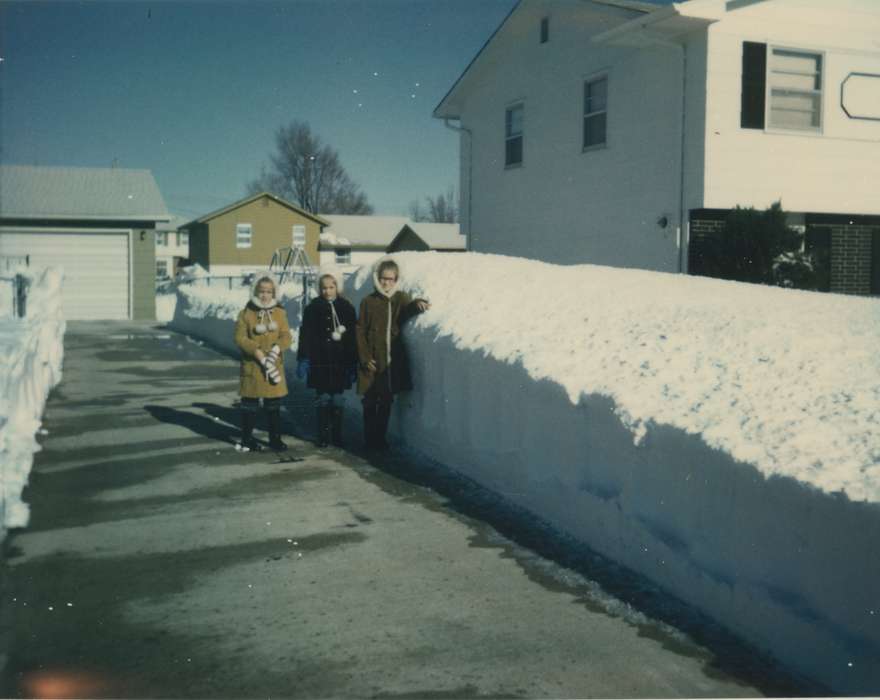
[785, 380]
[165, 305]
[31, 353]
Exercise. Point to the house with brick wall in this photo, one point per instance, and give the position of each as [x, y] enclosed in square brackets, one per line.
[621, 133]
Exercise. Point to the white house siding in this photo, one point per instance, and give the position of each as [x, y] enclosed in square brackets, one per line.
[564, 205]
[837, 171]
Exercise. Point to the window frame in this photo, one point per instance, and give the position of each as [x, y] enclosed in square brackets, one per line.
[183, 237]
[162, 238]
[585, 82]
[239, 231]
[164, 272]
[342, 256]
[294, 229]
[768, 90]
[510, 137]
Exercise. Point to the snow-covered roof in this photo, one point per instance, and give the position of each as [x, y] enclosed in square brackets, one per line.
[785, 380]
[48, 192]
[439, 236]
[362, 231]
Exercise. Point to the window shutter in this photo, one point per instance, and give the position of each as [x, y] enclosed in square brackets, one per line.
[754, 77]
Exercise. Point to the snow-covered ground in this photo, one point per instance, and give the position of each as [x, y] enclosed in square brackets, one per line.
[31, 353]
[723, 439]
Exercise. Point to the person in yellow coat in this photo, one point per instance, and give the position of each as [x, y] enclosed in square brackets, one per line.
[262, 334]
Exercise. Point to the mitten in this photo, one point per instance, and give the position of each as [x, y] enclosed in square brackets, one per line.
[270, 364]
[302, 370]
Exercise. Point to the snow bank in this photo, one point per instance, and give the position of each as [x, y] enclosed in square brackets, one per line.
[31, 352]
[722, 439]
[788, 381]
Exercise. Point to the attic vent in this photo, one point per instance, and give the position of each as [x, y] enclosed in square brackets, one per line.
[545, 29]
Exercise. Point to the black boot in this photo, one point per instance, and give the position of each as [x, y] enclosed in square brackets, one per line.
[323, 438]
[336, 425]
[248, 419]
[275, 442]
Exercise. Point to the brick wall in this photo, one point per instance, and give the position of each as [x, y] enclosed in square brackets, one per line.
[851, 252]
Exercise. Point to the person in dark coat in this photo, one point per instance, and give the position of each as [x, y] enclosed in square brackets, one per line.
[383, 369]
[262, 335]
[327, 355]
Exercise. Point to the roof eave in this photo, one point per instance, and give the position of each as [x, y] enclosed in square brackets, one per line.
[669, 23]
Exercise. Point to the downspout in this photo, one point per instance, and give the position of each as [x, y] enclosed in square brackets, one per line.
[683, 226]
[470, 162]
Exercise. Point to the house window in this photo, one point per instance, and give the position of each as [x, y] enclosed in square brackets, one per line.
[595, 112]
[243, 235]
[161, 269]
[343, 256]
[299, 236]
[545, 29]
[513, 135]
[782, 89]
[183, 238]
[795, 89]
[161, 238]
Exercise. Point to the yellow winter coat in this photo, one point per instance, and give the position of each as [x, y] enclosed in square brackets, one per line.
[254, 383]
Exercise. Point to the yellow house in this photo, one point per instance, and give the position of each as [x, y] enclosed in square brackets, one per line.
[241, 237]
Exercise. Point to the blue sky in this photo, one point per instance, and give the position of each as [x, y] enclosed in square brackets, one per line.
[194, 91]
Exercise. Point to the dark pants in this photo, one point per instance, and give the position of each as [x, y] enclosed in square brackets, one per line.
[377, 412]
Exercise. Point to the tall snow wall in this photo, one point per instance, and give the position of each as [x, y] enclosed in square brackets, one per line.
[781, 553]
[31, 354]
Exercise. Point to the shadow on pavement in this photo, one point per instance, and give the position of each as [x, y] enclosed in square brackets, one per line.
[202, 425]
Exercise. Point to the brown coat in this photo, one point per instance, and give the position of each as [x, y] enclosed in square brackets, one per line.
[392, 367]
[254, 383]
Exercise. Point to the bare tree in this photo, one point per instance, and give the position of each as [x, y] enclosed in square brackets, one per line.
[442, 209]
[309, 173]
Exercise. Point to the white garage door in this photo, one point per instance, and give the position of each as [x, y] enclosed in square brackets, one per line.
[96, 268]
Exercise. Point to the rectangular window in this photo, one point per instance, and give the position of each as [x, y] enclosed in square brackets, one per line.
[161, 268]
[243, 235]
[299, 236]
[782, 89]
[161, 238]
[595, 112]
[343, 256]
[183, 238]
[795, 90]
[545, 30]
[513, 135]
[754, 89]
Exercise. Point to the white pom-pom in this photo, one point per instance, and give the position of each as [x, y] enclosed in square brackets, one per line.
[260, 328]
[273, 326]
[340, 329]
[336, 335]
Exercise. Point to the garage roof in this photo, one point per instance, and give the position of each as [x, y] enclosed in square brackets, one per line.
[49, 192]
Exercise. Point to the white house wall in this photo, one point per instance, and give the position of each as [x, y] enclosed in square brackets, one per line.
[837, 171]
[358, 258]
[564, 205]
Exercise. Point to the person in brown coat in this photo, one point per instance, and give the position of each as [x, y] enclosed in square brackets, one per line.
[262, 334]
[383, 369]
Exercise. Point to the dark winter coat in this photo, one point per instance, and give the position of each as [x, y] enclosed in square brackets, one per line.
[253, 381]
[330, 361]
[379, 340]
